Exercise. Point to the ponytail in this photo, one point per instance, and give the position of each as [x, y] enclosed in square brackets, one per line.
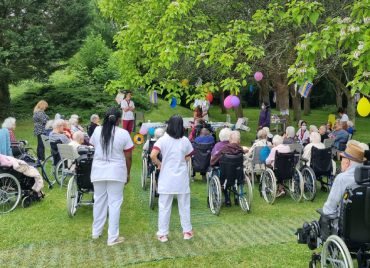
[109, 128]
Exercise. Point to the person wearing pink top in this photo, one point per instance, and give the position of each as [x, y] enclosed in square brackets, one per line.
[278, 147]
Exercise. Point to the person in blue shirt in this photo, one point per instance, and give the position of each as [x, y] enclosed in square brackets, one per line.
[205, 137]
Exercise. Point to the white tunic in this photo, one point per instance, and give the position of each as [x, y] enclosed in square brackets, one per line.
[111, 167]
[305, 137]
[173, 177]
[129, 115]
[344, 118]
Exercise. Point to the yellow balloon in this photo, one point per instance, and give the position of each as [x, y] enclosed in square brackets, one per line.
[363, 107]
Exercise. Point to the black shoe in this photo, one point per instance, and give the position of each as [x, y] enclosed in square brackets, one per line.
[228, 204]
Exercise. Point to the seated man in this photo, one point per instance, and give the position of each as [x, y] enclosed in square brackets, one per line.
[57, 133]
[277, 141]
[158, 133]
[205, 137]
[224, 136]
[232, 148]
[94, 123]
[289, 136]
[352, 157]
[78, 139]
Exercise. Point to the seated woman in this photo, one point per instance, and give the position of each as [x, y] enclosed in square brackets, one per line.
[340, 140]
[329, 127]
[262, 141]
[224, 136]
[94, 123]
[323, 133]
[303, 134]
[335, 129]
[270, 160]
[78, 139]
[268, 133]
[313, 129]
[49, 127]
[350, 127]
[205, 136]
[74, 124]
[67, 129]
[57, 133]
[78, 126]
[289, 136]
[7, 137]
[158, 133]
[197, 122]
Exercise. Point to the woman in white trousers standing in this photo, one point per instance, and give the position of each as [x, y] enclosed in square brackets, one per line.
[110, 173]
[173, 177]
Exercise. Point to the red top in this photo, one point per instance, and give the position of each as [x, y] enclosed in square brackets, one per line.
[12, 137]
[199, 112]
[67, 130]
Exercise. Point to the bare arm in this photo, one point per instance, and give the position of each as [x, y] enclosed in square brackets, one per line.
[128, 156]
[153, 156]
[126, 109]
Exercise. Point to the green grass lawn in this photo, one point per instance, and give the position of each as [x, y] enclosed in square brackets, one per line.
[44, 236]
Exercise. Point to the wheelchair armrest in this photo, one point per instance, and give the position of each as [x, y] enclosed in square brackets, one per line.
[270, 167]
[5, 167]
[321, 212]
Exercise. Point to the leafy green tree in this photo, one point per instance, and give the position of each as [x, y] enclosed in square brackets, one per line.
[35, 36]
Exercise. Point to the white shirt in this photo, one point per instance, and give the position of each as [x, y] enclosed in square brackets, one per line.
[111, 167]
[344, 118]
[173, 177]
[305, 137]
[129, 115]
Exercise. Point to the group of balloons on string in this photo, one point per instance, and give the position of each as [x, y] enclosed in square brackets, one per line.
[234, 101]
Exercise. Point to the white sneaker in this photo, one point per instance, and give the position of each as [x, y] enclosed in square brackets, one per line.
[162, 238]
[95, 237]
[117, 241]
[188, 235]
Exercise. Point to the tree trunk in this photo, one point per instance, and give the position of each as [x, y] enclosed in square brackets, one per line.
[4, 98]
[306, 104]
[282, 96]
[238, 111]
[338, 94]
[351, 109]
[296, 100]
[222, 99]
[264, 90]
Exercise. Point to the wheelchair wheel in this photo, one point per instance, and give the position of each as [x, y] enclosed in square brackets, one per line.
[72, 197]
[338, 170]
[49, 168]
[26, 202]
[214, 194]
[10, 192]
[268, 186]
[309, 180]
[144, 173]
[60, 176]
[245, 201]
[296, 185]
[335, 253]
[152, 190]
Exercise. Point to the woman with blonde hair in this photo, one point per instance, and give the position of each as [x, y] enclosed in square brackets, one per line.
[40, 119]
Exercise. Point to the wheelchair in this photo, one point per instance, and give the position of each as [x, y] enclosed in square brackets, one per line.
[347, 237]
[284, 170]
[320, 166]
[15, 186]
[230, 175]
[146, 165]
[80, 183]
[201, 159]
[154, 175]
[198, 129]
[61, 164]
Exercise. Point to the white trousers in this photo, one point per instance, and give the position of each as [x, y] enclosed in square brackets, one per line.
[107, 194]
[165, 206]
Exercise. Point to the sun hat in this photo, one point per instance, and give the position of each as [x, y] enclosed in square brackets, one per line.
[354, 152]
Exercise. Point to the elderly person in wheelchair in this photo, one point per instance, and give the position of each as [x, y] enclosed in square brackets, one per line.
[57, 133]
[345, 214]
[7, 137]
[224, 136]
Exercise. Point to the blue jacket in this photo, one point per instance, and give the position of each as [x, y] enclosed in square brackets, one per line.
[340, 141]
[5, 145]
[205, 139]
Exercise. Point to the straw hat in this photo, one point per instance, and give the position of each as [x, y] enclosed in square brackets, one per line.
[354, 152]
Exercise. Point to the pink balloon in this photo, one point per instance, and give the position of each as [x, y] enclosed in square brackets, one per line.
[227, 102]
[235, 101]
[258, 76]
[144, 130]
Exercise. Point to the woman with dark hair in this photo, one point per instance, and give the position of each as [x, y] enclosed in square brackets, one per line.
[303, 135]
[110, 173]
[265, 115]
[173, 178]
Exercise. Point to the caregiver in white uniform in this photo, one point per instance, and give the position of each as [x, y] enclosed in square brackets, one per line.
[110, 172]
[173, 177]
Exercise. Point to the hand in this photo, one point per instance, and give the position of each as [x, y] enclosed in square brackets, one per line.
[285, 136]
[160, 165]
[259, 127]
[128, 179]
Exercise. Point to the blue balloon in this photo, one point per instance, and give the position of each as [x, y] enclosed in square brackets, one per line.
[251, 88]
[151, 131]
[173, 102]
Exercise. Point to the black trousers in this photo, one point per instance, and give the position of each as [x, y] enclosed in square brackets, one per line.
[40, 149]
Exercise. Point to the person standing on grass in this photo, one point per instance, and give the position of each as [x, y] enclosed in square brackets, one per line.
[40, 119]
[128, 107]
[110, 173]
[265, 115]
[173, 177]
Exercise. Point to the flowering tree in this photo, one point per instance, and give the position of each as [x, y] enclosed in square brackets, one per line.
[348, 39]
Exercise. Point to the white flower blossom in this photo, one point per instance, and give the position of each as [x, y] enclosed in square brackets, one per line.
[360, 47]
[302, 71]
[352, 28]
[126, 26]
[309, 34]
[366, 74]
[167, 51]
[367, 20]
[119, 32]
[202, 54]
[356, 54]
[149, 11]
[230, 30]
[345, 20]
[187, 46]
[326, 28]
[343, 32]
[291, 70]
[299, 64]
[176, 3]
[191, 42]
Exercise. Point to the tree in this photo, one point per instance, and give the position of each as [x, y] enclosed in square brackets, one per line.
[35, 36]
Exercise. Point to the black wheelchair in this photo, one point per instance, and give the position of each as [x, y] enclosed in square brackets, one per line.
[320, 166]
[201, 159]
[80, 183]
[230, 176]
[345, 237]
[284, 171]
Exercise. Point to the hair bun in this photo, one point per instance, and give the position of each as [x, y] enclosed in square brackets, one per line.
[112, 119]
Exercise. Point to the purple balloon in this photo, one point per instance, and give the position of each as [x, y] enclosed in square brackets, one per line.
[141, 88]
[258, 76]
[209, 103]
[227, 102]
[144, 130]
[235, 101]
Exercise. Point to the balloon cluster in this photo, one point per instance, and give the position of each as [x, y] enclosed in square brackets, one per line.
[231, 101]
